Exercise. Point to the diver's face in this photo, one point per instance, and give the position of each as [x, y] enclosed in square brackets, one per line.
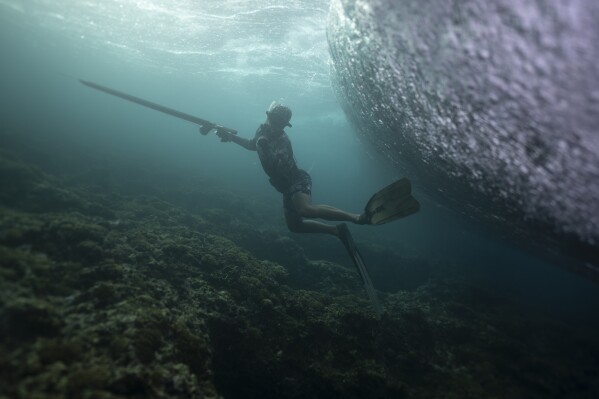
[274, 123]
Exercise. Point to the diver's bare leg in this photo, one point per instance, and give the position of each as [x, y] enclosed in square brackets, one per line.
[303, 204]
[297, 224]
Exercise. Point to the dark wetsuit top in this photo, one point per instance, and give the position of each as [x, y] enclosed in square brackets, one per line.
[276, 157]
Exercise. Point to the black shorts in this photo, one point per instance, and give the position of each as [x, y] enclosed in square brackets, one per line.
[302, 183]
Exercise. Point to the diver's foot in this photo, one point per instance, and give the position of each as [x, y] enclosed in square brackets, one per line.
[362, 219]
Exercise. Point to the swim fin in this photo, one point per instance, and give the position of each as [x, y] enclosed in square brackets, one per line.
[348, 242]
[392, 202]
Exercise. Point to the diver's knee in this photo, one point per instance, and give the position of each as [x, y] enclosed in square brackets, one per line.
[293, 226]
[296, 228]
[306, 211]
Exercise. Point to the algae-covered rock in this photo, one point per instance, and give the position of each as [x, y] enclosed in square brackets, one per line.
[152, 327]
[147, 341]
[88, 379]
[69, 230]
[89, 251]
[104, 272]
[104, 294]
[65, 350]
[26, 319]
[150, 300]
[26, 187]
[191, 348]
[16, 262]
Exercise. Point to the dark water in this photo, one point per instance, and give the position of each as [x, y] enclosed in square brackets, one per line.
[226, 61]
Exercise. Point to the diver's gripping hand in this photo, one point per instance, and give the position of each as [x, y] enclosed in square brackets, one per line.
[224, 135]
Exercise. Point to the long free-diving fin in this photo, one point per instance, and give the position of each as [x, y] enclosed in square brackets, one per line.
[392, 202]
[356, 258]
[205, 126]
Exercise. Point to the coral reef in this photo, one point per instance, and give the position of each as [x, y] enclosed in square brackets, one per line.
[113, 296]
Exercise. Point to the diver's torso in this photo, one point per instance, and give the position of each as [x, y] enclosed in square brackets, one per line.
[276, 156]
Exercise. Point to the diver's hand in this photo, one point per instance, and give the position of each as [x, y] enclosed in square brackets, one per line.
[224, 135]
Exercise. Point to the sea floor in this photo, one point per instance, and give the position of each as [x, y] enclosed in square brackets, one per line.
[114, 290]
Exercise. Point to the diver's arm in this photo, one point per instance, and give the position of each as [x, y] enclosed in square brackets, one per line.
[245, 143]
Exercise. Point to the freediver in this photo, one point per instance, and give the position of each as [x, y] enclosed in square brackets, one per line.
[276, 156]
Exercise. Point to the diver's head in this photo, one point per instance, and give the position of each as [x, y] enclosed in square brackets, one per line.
[278, 115]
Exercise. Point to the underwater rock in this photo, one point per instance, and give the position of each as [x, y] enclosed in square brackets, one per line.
[324, 276]
[88, 379]
[15, 263]
[68, 230]
[147, 342]
[89, 250]
[273, 246]
[27, 319]
[26, 187]
[132, 384]
[191, 349]
[490, 106]
[54, 350]
[96, 209]
[103, 272]
[166, 305]
[104, 294]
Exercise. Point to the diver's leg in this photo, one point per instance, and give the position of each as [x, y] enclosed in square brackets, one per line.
[302, 202]
[297, 224]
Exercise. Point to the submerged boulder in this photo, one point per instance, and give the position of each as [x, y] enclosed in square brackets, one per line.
[167, 305]
[490, 106]
[26, 319]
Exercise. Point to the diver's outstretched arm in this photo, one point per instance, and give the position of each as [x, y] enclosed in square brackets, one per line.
[228, 136]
